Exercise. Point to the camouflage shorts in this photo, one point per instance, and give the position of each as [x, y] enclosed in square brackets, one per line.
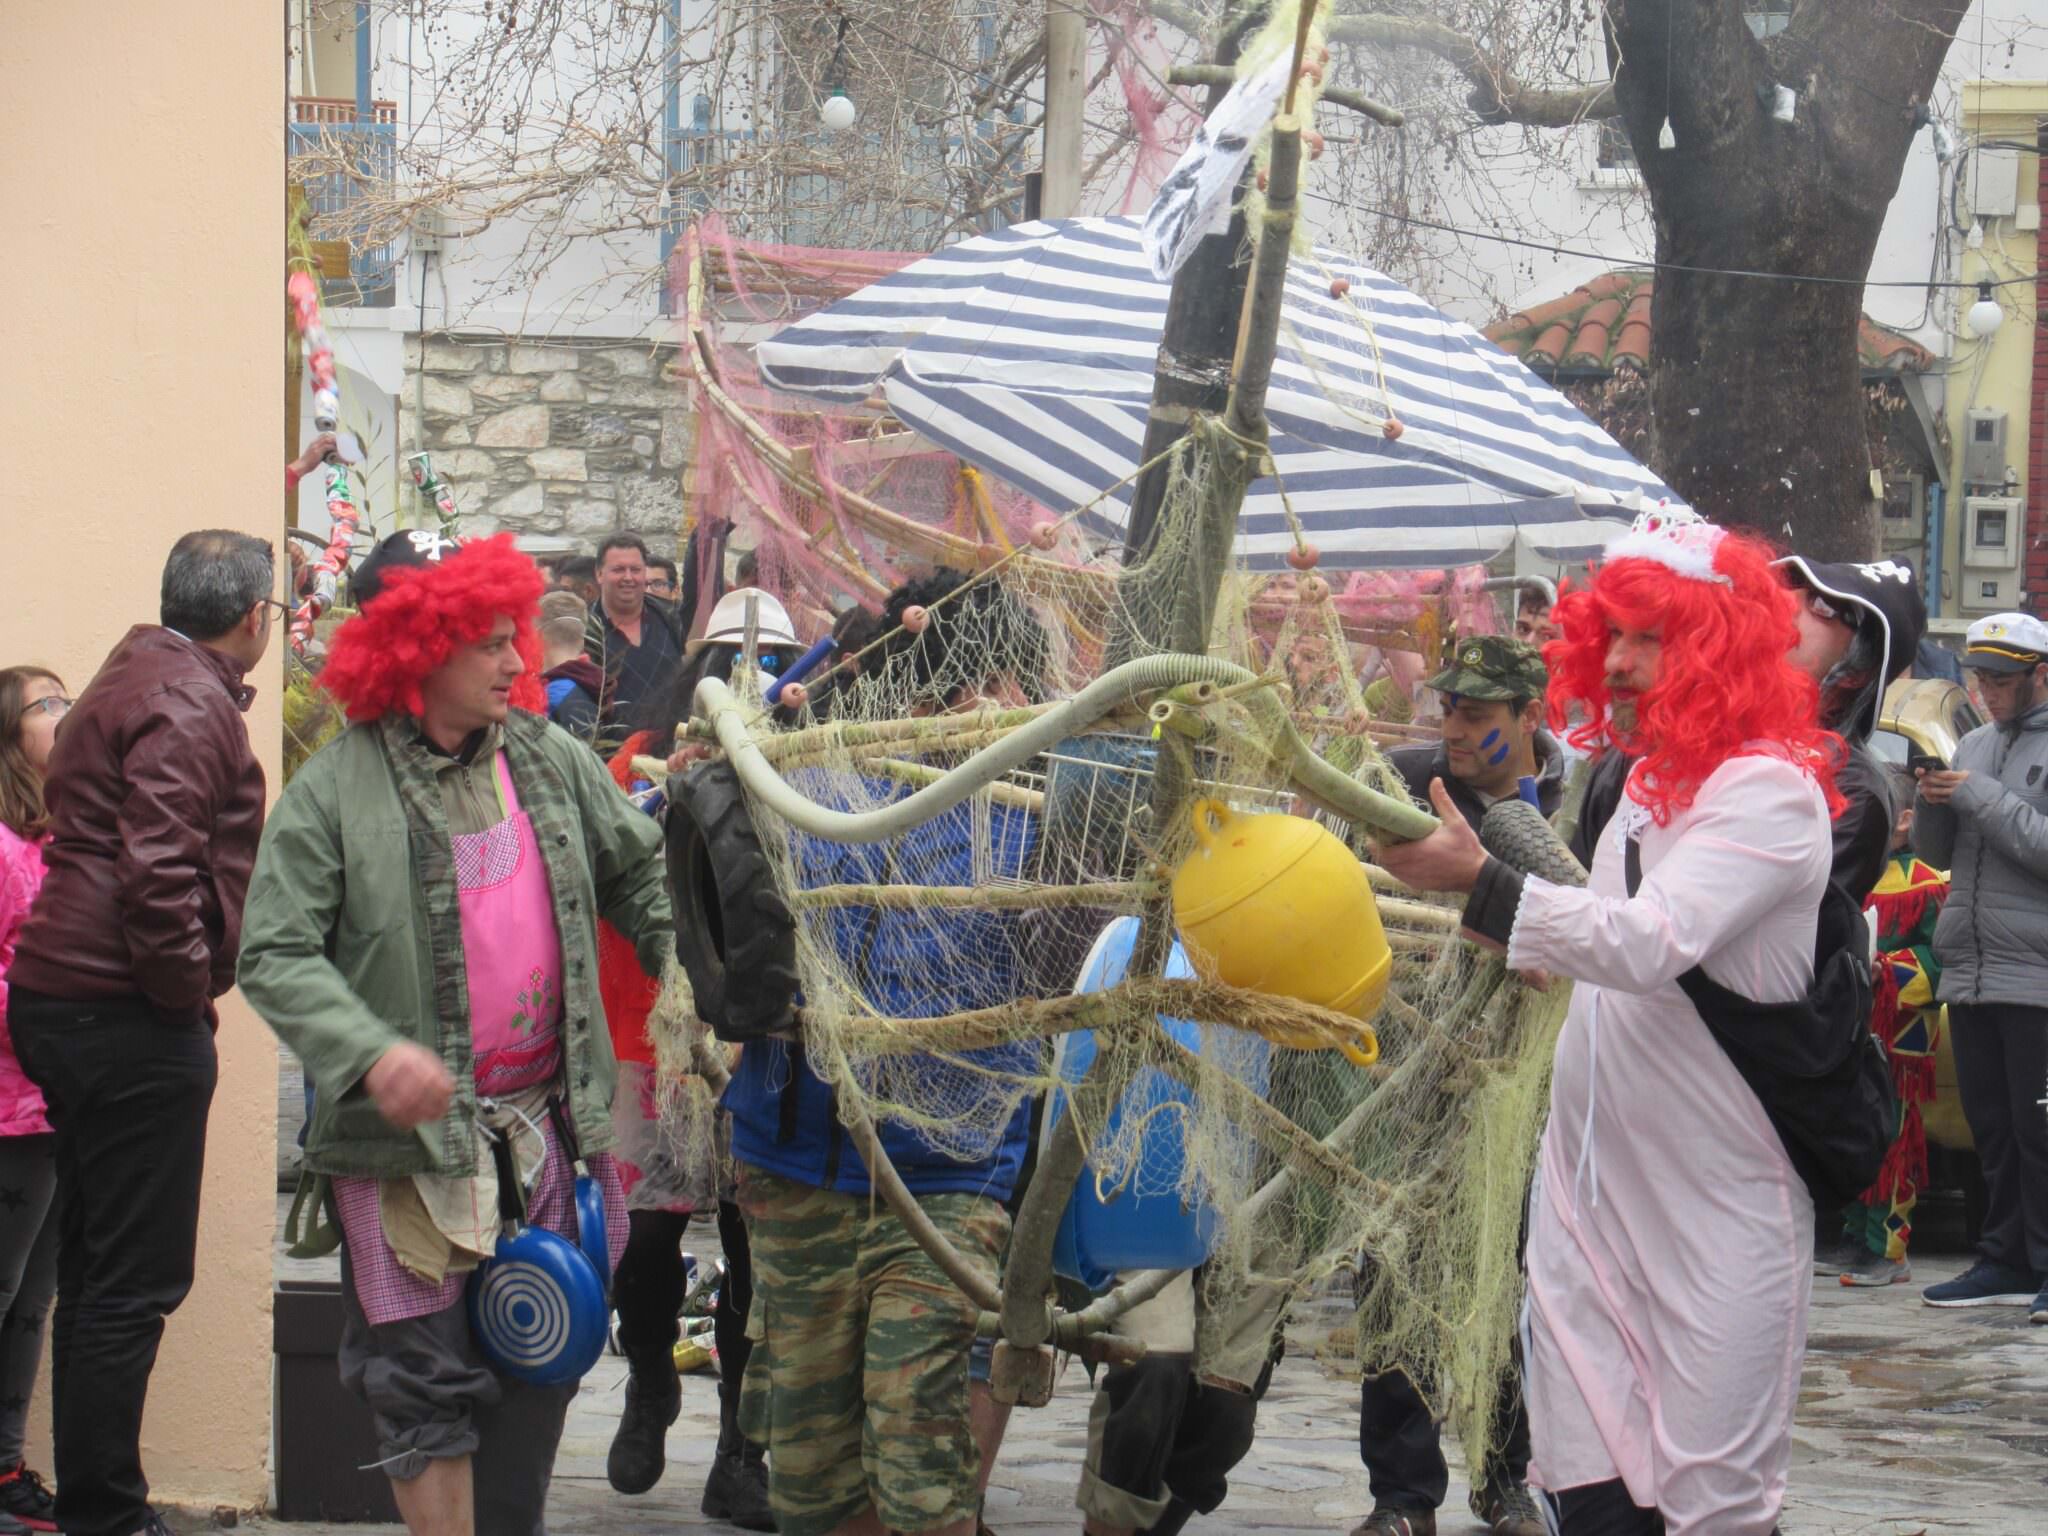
[858, 1380]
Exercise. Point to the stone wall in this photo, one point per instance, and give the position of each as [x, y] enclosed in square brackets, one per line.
[575, 440]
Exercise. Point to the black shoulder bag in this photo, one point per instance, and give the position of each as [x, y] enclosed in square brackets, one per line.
[1813, 1063]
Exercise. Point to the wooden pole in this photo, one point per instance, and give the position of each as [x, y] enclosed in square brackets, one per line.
[1195, 347]
[1066, 88]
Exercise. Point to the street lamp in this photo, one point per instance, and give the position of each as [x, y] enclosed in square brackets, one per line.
[839, 112]
[1985, 317]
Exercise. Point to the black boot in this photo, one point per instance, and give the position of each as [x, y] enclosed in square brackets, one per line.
[639, 1450]
[737, 1489]
[1178, 1513]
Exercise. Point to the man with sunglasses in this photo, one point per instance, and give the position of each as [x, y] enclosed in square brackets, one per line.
[1860, 626]
[155, 804]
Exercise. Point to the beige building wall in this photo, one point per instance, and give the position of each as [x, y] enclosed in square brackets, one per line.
[141, 366]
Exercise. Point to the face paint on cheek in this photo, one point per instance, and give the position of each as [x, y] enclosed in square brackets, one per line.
[1494, 748]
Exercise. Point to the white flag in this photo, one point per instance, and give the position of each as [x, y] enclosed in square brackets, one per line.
[1195, 200]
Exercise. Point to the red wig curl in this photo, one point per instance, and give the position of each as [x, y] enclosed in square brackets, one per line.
[423, 615]
[1723, 682]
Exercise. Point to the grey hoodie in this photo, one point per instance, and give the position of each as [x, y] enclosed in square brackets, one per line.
[1992, 939]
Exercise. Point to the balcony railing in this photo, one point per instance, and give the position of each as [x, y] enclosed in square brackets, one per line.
[330, 127]
[816, 208]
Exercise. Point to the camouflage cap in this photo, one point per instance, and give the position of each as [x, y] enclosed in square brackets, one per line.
[1493, 667]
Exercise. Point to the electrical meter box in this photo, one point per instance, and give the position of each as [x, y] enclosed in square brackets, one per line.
[1984, 447]
[1992, 541]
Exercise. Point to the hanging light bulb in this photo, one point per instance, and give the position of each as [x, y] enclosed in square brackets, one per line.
[839, 112]
[1666, 139]
[1985, 317]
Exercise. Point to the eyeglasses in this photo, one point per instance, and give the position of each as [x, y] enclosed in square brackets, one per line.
[56, 706]
[284, 609]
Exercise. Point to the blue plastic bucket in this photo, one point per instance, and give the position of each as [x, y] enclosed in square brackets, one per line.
[1102, 1234]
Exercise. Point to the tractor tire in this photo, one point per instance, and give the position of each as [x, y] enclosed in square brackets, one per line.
[735, 937]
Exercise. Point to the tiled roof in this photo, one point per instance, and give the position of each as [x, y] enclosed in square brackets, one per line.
[1603, 326]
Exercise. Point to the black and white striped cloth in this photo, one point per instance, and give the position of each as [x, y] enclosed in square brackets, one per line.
[1029, 353]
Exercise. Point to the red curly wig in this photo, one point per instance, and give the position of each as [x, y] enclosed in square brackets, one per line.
[1723, 681]
[423, 615]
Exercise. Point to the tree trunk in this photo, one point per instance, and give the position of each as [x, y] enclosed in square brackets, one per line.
[1756, 409]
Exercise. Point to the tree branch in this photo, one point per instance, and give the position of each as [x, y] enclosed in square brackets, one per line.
[1223, 74]
[1497, 96]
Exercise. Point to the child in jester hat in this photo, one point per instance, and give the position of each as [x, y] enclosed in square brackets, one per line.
[1906, 1018]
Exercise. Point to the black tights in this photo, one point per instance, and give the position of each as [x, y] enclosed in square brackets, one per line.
[649, 1285]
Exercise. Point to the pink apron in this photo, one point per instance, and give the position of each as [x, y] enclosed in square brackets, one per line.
[512, 953]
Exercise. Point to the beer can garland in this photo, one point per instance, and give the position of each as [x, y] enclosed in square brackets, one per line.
[342, 516]
[435, 489]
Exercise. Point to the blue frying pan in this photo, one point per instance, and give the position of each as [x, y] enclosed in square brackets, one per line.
[537, 1306]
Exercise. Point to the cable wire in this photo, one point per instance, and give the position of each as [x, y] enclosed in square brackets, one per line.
[1651, 263]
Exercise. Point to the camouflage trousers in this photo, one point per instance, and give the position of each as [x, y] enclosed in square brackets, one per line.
[858, 1379]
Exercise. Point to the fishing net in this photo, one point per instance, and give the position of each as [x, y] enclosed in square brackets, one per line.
[938, 965]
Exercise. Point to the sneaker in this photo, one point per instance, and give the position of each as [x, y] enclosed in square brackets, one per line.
[1984, 1284]
[1838, 1257]
[737, 1492]
[1384, 1521]
[2038, 1312]
[1876, 1269]
[26, 1500]
[1508, 1508]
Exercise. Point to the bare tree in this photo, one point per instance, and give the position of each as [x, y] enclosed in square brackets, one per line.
[1764, 227]
[565, 123]
[576, 120]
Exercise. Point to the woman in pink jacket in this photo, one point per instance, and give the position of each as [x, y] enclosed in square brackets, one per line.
[32, 701]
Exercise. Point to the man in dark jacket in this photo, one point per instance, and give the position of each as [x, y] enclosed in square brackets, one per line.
[156, 803]
[1860, 627]
[1493, 743]
[636, 639]
[1492, 734]
[1985, 819]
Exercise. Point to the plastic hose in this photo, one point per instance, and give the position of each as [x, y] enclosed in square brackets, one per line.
[1114, 690]
[803, 668]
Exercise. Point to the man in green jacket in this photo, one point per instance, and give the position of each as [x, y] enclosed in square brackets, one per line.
[422, 931]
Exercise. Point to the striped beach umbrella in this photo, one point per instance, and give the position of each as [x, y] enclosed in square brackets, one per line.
[1030, 353]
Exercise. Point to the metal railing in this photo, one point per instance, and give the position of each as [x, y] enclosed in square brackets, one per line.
[331, 128]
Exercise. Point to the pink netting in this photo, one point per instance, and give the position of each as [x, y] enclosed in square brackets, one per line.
[842, 504]
[1161, 121]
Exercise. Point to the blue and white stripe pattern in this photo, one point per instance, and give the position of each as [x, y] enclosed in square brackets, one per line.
[1029, 353]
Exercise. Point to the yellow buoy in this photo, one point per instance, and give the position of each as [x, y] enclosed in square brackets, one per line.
[1277, 904]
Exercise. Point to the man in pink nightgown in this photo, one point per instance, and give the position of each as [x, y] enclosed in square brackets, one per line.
[1670, 1240]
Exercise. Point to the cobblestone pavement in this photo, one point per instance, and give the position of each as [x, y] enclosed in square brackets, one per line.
[1911, 1420]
